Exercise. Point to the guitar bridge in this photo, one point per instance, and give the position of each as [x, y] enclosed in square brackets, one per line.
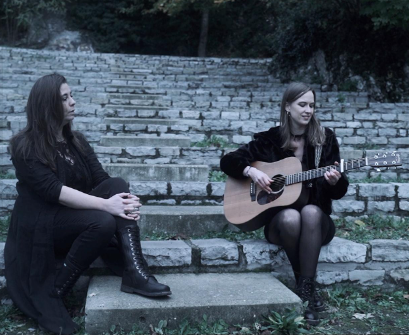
[253, 189]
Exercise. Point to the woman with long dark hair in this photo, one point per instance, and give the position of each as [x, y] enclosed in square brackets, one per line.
[67, 208]
[301, 231]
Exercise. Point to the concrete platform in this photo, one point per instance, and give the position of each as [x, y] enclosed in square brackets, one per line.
[238, 298]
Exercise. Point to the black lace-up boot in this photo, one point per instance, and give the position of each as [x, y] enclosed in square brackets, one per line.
[319, 304]
[65, 279]
[136, 277]
[306, 291]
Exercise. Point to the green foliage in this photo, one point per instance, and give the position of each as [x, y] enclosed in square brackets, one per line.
[17, 14]
[348, 85]
[4, 227]
[217, 176]
[362, 230]
[289, 323]
[7, 175]
[213, 141]
[394, 13]
[341, 98]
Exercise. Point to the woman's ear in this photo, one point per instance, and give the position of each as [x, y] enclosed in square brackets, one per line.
[287, 107]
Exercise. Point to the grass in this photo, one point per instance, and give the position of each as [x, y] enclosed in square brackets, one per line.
[7, 175]
[378, 179]
[4, 226]
[373, 227]
[214, 141]
[350, 310]
[217, 176]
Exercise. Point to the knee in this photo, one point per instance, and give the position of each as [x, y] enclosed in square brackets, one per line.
[104, 225]
[119, 185]
[291, 223]
[311, 217]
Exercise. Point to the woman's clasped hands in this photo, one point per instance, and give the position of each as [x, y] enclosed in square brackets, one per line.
[125, 205]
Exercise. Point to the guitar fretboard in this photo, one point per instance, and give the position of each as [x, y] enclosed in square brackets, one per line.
[316, 173]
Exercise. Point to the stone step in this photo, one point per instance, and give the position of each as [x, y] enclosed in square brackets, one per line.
[134, 96]
[159, 172]
[187, 220]
[147, 140]
[133, 107]
[162, 122]
[239, 298]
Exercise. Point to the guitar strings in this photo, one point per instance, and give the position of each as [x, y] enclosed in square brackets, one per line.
[281, 181]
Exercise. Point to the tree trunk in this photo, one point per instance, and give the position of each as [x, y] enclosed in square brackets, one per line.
[203, 33]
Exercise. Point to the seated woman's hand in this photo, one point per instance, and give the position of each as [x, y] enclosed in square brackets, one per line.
[261, 179]
[125, 205]
[332, 176]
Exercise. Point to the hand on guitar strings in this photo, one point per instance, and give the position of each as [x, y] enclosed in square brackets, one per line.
[332, 176]
[261, 179]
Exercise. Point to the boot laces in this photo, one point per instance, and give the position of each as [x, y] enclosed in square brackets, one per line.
[136, 252]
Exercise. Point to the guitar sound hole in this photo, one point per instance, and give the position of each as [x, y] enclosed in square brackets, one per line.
[277, 186]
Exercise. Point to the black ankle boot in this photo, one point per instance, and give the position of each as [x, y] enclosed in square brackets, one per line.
[306, 291]
[65, 279]
[136, 277]
[319, 304]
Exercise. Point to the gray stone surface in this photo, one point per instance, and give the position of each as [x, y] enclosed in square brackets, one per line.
[342, 250]
[232, 297]
[400, 275]
[139, 141]
[331, 277]
[2, 244]
[186, 220]
[167, 172]
[167, 253]
[217, 251]
[367, 277]
[390, 250]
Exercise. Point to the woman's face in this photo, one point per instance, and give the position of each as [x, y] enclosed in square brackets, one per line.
[301, 110]
[68, 103]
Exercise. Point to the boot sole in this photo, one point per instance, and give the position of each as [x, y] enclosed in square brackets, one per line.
[129, 289]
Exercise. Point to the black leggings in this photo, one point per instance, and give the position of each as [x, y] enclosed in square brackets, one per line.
[82, 234]
[301, 234]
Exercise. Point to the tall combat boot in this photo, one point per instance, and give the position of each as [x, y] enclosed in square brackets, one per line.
[319, 304]
[136, 277]
[65, 279]
[306, 290]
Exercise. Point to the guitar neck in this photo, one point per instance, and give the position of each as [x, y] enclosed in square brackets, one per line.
[316, 173]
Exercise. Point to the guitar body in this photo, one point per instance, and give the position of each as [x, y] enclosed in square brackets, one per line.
[249, 208]
[249, 215]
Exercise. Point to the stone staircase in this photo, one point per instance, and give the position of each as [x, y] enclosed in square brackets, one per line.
[143, 116]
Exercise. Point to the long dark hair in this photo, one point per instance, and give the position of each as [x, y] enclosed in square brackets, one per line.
[315, 133]
[45, 115]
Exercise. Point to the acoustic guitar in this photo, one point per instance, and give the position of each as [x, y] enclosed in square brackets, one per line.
[246, 205]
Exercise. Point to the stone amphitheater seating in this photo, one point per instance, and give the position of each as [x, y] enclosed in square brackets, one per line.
[143, 116]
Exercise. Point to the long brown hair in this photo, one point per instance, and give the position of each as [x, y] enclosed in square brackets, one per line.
[315, 133]
[45, 115]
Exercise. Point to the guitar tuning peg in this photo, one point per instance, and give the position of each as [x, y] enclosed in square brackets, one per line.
[378, 170]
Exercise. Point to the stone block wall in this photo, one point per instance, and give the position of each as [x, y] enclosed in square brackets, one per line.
[379, 262]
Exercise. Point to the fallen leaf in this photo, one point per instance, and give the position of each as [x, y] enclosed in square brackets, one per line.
[361, 316]
[92, 295]
[360, 223]
[406, 296]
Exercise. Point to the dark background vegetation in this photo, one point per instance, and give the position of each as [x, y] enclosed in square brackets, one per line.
[366, 38]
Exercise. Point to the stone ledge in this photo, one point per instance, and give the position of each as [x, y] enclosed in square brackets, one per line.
[340, 261]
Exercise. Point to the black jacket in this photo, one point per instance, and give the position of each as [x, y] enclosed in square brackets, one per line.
[29, 252]
[266, 147]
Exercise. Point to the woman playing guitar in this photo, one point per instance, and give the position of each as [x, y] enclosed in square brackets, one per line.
[306, 226]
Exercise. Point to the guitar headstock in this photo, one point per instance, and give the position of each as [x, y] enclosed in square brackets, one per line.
[384, 159]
